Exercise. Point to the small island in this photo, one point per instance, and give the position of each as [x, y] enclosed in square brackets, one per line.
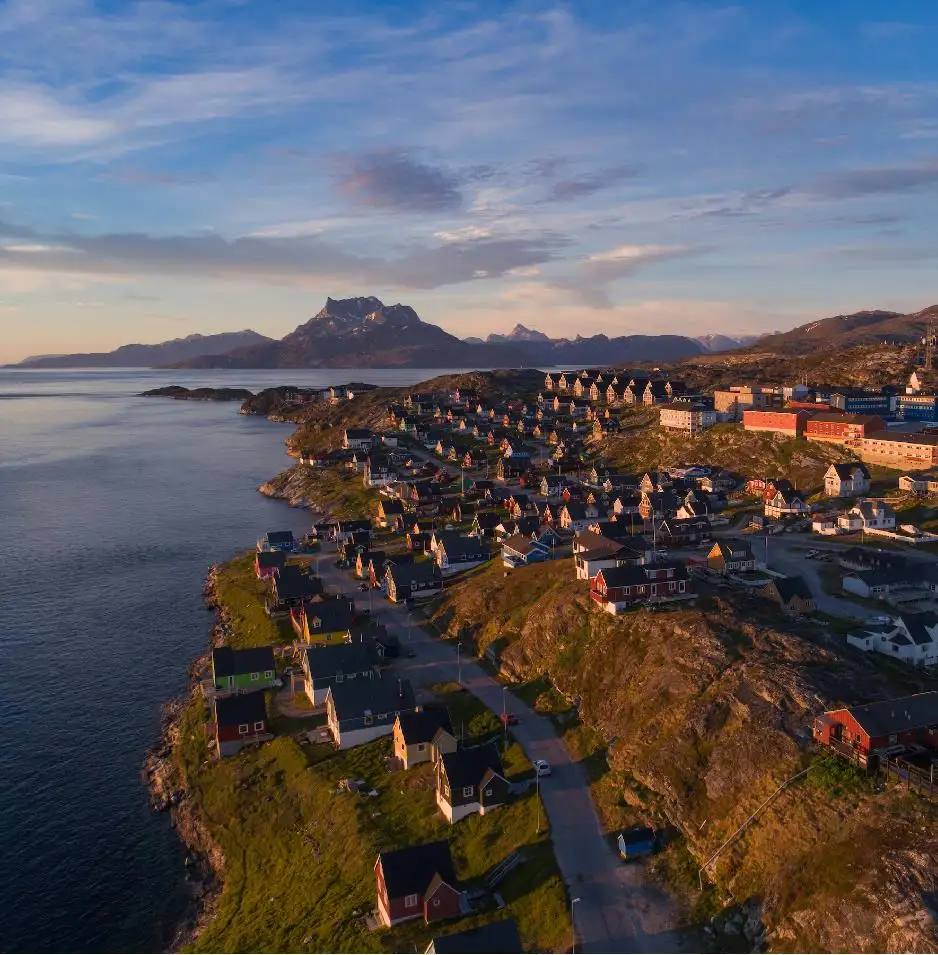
[179, 393]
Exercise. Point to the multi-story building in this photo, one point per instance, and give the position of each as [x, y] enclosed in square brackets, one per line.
[912, 451]
[917, 407]
[686, 416]
[730, 403]
[838, 427]
[783, 421]
[861, 402]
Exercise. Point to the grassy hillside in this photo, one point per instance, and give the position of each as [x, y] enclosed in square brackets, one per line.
[749, 453]
[709, 710]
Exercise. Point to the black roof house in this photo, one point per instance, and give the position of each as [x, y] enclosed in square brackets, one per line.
[409, 871]
[233, 710]
[495, 937]
[227, 661]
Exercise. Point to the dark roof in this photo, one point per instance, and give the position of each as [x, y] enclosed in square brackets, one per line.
[468, 767]
[894, 716]
[494, 937]
[271, 558]
[293, 583]
[279, 537]
[791, 587]
[333, 615]
[328, 660]
[352, 698]
[931, 439]
[226, 661]
[406, 574]
[410, 871]
[845, 471]
[846, 417]
[358, 432]
[422, 725]
[630, 575]
[246, 708]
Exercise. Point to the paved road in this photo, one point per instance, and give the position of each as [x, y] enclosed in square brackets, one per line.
[618, 911]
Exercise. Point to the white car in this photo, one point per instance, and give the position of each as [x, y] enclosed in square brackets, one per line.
[542, 767]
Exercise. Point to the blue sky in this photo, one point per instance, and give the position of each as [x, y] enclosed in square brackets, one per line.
[178, 167]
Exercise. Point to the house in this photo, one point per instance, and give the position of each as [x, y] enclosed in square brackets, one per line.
[243, 671]
[838, 428]
[390, 512]
[901, 451]
[616, 589]
[470, 780]
[417, 581]
[730, 403]
[859, 401]
[239, 721]
[846, 480]
[499, 937]
[417, 882]
[786, 504]
[278, 540]
[379, 471]
[792, 594]
[267, 563]
[866, 558]
[593, 552]
[344, 530]
[920, 484]
[731, 557]
[424, 734]
[292, 587]
[358, 711]
[326, 621]
[867, 515]
[917, 407]
[684, 530]
[357, 439]
[878, 584]
[453, 552]
[686, 416]
[513, 467]
[324, 666]
[789, 423]
[874, 727]
[578, 517]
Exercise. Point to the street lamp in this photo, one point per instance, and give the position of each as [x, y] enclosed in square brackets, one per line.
[458, 662]
[408, 627]
[573, 902]
[537, 800]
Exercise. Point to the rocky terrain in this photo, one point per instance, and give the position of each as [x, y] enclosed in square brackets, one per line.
[179, 393]
[708, 710]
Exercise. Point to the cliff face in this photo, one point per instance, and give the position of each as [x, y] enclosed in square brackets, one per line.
[708, 711]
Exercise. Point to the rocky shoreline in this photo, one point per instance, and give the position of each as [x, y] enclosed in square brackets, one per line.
[167, 792]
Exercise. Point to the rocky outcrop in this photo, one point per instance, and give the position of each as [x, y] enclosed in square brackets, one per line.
[179, 393]
[296, 486]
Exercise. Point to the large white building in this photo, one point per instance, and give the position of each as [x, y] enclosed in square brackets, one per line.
[685, 416]
[913, 638]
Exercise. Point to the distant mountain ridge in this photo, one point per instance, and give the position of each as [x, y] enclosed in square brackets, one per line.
[868, 327]
[363, 332]
[150, 356]
[719, 343]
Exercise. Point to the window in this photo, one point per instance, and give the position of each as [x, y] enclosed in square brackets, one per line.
[259, 726]
[243, 728]
[255, 676]
[436, 901]
[339, 677]
[488, 792]
[269, 674]
[369, 720]
[467, 790]
[421, 747]
[410, 901]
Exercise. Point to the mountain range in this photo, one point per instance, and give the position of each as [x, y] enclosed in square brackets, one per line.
[151, 356]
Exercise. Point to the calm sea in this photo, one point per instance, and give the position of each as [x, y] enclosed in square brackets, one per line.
[111, 509]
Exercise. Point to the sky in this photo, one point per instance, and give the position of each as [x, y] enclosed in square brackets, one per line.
[168, 168]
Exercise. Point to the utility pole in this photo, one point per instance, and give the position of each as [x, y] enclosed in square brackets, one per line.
[458, 662]
[573, 902]
[537, 798]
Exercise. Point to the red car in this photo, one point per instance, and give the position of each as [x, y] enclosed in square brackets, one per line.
[509, 719]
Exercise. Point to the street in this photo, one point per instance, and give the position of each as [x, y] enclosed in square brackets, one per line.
[618, 910]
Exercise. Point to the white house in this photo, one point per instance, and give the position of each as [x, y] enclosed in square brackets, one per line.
[868, 515]
[846, 480]
[357, 439]
[786, 504]
[686, 416]
[825, 524]
[911, 637]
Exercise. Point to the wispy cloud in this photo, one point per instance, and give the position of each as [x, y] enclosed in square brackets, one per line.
[565, 190]
[395, 180]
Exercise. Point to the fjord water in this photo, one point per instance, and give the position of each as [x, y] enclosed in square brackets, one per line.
[111, 509]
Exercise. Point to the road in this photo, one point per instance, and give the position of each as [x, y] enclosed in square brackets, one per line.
[618, 910]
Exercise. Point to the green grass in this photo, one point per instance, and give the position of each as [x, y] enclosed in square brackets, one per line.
[242, 595]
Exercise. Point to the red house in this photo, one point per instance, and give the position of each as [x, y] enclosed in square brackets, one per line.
[786, 422]
[616, 589]
[239, 721]
[868, 729]
[269, 563]
[842, 428]
[416, 882]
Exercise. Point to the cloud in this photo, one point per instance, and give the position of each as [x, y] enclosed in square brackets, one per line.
[32, 117]
[566, 190]
[876, 180]
[461, 235]
[394, 180]
[300, 260]
[625, 259]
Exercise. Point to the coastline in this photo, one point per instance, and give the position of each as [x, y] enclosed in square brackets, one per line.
[168, 792]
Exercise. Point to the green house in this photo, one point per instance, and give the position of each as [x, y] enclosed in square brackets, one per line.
[243, 671]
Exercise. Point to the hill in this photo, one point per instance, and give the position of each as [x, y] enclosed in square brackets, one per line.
[870, 327]
[149, 356]
[708, 710]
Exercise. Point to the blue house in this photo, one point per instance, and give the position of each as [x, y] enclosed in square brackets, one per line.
[277, 540]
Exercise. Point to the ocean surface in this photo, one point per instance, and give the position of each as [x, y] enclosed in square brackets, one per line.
[112, 507]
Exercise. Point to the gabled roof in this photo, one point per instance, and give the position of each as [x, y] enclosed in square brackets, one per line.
[846, 471]
[410, 871]
[630, 575]
[469, 767]
[279, 537]
[271, 559]
[495, 937]
[790, 588]
[293, 583]
[226, 661]
[330, 616]
[327, 661]
[894, 716]
[246, 708]
[521, 544]
[352, 698]
[421, 726]
[404, 575]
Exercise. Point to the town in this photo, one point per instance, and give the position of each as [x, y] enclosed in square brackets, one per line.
[452, 482]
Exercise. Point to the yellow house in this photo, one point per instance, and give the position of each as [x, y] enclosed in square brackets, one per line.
[422, 735]
[327, 621]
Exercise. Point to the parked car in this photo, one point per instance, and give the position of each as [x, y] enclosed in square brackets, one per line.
[509, 719]
[542, 767]
[637, 842]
